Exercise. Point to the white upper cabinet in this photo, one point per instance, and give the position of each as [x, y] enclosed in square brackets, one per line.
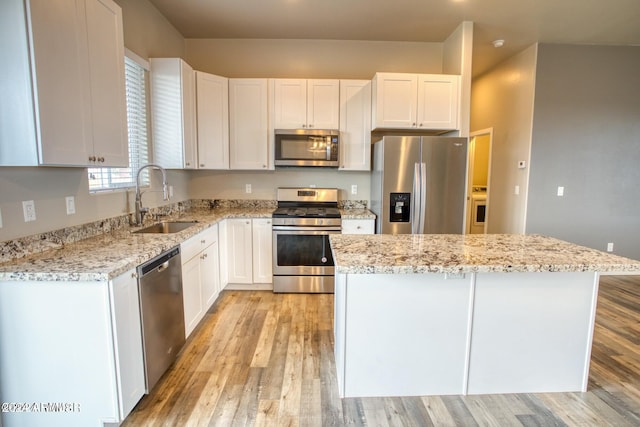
[173, 105]
[63, 72]
[355, 125]
[212, 112]
[438, 101]
[306, 104]
[249, 131]
[415, 101]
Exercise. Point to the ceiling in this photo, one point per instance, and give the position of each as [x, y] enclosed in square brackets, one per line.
[519, 23]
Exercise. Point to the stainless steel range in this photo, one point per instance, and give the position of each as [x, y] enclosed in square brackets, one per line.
[302, 223]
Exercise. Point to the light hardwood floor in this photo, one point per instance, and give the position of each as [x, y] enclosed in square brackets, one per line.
[260, 358]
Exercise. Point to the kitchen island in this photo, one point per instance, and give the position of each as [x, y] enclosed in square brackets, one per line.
[465, 314]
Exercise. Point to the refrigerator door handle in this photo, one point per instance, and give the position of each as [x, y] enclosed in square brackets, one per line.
[423, 197]
[415, 204]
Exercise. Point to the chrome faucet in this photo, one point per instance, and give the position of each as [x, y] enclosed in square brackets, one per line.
[140, 211]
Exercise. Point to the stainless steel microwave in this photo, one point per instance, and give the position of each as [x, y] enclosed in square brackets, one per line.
[305, 147]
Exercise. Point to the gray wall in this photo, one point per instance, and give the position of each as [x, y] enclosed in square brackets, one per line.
[586, 137]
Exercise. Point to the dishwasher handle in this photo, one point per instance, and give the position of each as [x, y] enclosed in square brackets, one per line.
[163, 266]
[161, 262]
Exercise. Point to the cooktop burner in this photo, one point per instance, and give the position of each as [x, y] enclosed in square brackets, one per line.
[306, 212]
[295, 202]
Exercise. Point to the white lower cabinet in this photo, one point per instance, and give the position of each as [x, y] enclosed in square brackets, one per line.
[247, 251]
[128, 341]
[200, 276]
[84, 349]
[358, 226]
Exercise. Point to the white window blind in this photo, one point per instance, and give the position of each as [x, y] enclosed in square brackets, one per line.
[136, 95]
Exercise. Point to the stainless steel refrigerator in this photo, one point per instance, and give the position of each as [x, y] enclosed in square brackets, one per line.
[418, 184]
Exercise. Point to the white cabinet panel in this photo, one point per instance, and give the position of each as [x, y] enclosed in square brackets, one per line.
[290, 103]
[173, 113]
[262, 237]
[68, 80]
[200, 275]
[212, 107]
[191, 294]
[355, 125]
[87, 351]
[210, 275]
[248, 124]
[415, 101]
[394, 100]
[128, 341]
[358, 226]
[108, 102]
[438, 97]
[323, 104]
[306, 104]
[239, 252]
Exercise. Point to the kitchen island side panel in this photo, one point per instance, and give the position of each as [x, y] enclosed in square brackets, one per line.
[532, 332]
[402, 334]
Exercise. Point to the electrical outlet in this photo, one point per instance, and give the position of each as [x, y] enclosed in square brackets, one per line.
[71, 205]
[170, 191]
[560, 191]
[610, 247]
[516, 190]
[29, 210]
[354, 189]
[247, 188]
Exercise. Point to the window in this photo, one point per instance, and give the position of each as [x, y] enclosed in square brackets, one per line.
[136, 95]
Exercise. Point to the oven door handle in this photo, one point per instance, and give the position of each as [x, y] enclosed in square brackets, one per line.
[306, 230]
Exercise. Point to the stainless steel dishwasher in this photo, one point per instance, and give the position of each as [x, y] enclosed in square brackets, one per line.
[162, 310]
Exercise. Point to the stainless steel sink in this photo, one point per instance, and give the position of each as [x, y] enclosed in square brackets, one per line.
[167, 227]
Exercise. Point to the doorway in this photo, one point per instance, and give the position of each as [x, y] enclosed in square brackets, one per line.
[478, 185]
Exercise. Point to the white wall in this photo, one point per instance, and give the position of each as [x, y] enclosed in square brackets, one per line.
[503, 99]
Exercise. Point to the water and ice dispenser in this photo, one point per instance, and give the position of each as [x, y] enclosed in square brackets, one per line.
[399, 207]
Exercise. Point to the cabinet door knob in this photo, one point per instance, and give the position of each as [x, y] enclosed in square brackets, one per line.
[92, 158]
[101, 159]
[203, 241]
[311, 126]
[201, 165]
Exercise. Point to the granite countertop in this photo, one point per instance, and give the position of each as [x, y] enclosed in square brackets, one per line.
[357, 214]
[454, 253]
[108, 255]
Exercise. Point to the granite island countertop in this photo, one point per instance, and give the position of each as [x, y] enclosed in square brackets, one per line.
[108, 255]
[456, 253]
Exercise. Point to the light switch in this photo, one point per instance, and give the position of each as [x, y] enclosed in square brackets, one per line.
[560, 191]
